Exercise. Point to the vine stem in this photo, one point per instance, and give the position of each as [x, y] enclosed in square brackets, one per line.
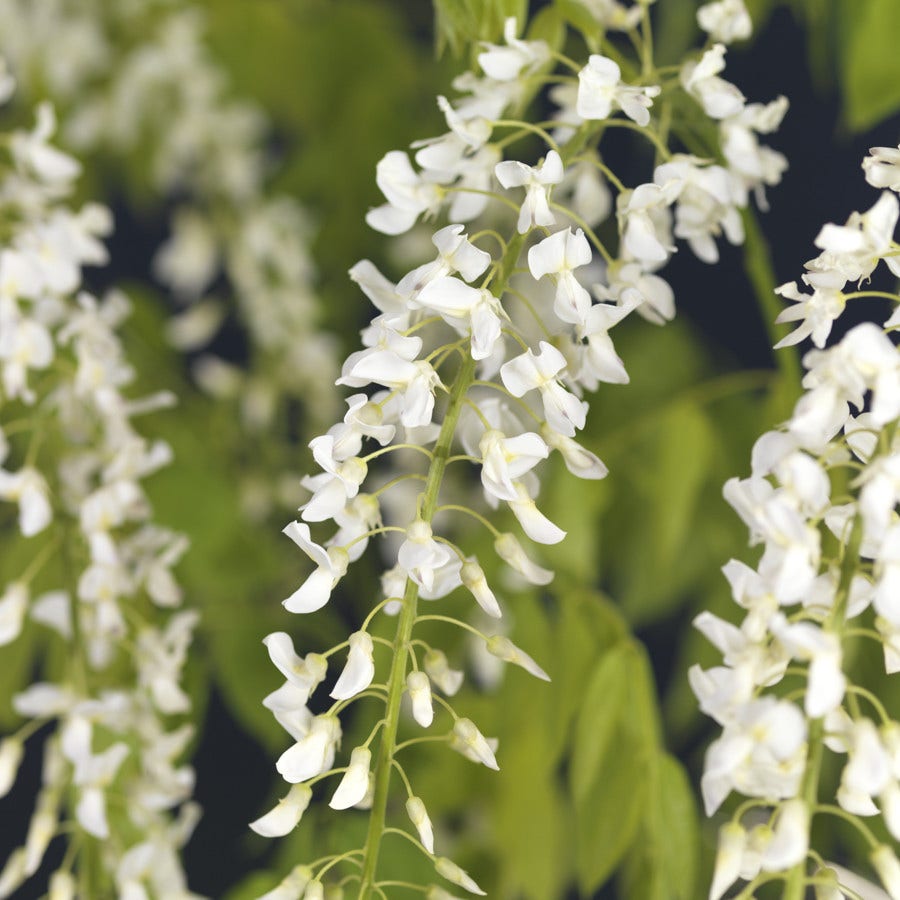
[761, 272]
[397, 679]
[465, 378]
[795, 886]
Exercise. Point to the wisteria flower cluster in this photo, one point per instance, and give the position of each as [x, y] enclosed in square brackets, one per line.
[821, 500]
[97, 599]
[144, 82]
[481, 357]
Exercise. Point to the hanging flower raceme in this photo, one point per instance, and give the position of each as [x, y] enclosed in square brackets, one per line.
[821, 500]
[93, 568]
[480, 357]
[140, 85]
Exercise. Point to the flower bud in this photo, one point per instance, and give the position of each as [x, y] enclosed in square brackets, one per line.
[511, 552]
[503, 648]
[418, 815]
[62, 886]
[472, 576]
[448, 869]
[730, 853]
[315, 890]
[887, 866]
[419, 688]
[447, 679]
[469, 741]
[292, 887]
[11, 750]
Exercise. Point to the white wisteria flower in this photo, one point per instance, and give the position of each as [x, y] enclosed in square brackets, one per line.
[600, 89]
[536, 180]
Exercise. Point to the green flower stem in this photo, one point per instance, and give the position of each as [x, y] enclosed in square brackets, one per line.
[758, 264]
[795, 887]
[397, 679]
[465, 378]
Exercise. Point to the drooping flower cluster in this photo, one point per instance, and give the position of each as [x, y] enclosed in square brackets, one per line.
[90, 578]
[136, 82]
[821, 500]
[481, 356]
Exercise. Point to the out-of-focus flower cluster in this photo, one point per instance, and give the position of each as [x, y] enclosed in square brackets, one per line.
[821, 500]
[136, 81]
[95, 589]
[480, 357]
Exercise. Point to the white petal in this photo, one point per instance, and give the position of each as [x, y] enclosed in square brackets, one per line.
[471, 742]
[473, 578]
[447, 679]
[419, 688]
[453, 873]
[511, 552]
[11, 752]
[312, 755]
[790, 839]
[418, 815]
[292, 887]
[13, 605]
[503, 648]
[535, 524]
[91, 812]
[359, 670]
[283, 818]
[355, 783]
[729, 858]
[313, 594]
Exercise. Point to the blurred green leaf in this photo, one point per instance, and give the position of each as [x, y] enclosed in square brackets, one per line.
[675, 31]
[608, 818]
[601, 713]
[530, 818]
[578, 15]
[662, 864]
[685, 441]
[254, 885]
[576, 508]
[15, 675]
[666, 493]
[462, 23]
[548, 25]
[588, 625]
[870, 61]
[609, 812]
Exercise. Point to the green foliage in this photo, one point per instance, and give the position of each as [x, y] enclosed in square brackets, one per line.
[870, 63]
[459, 24]
[605, 703]
[616, 743]
[662, 864]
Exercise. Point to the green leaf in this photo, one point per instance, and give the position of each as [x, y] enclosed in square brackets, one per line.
[254, 885]
[548, 25]
[663, 862]
[610, 809]
[601, 713]
[870, 70]
[460, 23]
[530, 819]
[669, 485]
[608, 818]
[577, 14]
[674, 31]
[587, 625]
[15, 675]
[576, 508]
[685, 445]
